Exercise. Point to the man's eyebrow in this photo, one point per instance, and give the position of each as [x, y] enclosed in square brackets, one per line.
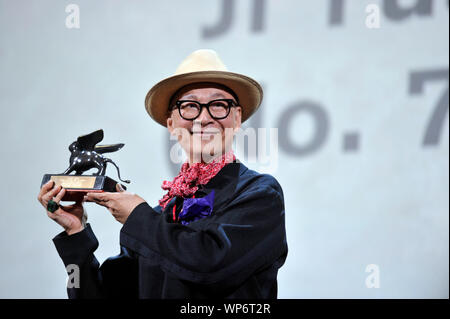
[190, 96]
[194, 97]
[217, 94]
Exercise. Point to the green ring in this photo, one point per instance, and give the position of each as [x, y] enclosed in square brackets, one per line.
[52, 206]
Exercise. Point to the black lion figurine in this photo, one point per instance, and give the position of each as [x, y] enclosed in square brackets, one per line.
[86, 154]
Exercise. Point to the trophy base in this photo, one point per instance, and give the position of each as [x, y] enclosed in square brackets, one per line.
[79, 185]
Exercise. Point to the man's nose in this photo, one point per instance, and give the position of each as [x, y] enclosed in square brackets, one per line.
[204, 117]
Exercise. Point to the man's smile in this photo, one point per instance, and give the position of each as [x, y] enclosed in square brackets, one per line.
[205, 133]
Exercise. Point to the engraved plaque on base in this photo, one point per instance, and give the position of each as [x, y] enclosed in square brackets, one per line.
[78, 185]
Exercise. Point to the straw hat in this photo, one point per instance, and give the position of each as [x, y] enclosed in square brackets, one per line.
[203, 66]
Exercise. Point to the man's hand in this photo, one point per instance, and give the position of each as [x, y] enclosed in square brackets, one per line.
[120, 204]
[69, 217]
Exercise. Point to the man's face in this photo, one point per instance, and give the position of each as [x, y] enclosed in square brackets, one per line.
[204, 137]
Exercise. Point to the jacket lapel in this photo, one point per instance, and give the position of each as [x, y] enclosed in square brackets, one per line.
[223, 184]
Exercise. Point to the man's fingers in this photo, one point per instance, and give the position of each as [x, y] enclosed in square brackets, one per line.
[100, 199]
[86, 199]
[49, 195]
[60, 195]
[119, 188]
[53, 192]
[45, 188]
[96, 200]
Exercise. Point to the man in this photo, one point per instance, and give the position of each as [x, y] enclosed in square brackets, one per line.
[219, 230]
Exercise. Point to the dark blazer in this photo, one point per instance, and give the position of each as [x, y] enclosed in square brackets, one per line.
[233, 253]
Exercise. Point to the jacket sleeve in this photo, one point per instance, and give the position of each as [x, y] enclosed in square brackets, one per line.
[77, 254]
[87, 279]
[247, 235]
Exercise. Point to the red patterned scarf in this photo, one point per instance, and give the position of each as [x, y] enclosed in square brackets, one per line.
[185, 184]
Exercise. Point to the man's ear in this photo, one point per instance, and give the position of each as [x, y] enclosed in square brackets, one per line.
[169, 123]
[237, 118]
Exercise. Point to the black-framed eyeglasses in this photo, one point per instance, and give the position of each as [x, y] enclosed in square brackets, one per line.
[217, 109]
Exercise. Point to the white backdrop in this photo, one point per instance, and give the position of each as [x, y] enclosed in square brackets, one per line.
[362, 118]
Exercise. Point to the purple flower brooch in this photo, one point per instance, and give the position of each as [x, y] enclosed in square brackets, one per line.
[196, 208]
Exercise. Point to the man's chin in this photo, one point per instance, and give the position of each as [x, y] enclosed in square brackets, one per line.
[205, 155]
